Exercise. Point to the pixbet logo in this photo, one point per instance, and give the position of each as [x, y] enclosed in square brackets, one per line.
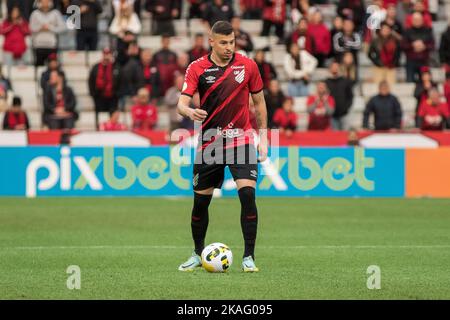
[153, 172]
[61, 173]
[317, 173]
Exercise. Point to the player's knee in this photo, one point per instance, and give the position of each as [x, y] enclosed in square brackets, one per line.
[248, 202]
[201, 204]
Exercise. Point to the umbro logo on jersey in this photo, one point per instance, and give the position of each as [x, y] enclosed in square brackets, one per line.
[240, 76]
[210, 79]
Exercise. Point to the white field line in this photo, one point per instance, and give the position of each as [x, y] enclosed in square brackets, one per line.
[155, 247]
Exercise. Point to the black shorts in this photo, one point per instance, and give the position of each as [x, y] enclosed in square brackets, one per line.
[209, 171]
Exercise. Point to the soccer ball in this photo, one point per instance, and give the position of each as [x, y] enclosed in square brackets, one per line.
[217, 257]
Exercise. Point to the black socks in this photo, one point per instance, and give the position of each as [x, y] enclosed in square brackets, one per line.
[200, 219]
[249, 219]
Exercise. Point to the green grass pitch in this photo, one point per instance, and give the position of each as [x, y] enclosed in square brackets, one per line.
[130, 248]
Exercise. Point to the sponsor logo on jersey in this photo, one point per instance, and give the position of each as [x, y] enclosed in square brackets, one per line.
[237, 67]
[253, 173]
[211, 69]
[240, 76]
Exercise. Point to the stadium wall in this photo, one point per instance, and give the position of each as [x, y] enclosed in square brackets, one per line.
[291, 171]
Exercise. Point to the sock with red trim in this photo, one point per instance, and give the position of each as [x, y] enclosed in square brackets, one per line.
[249, 219]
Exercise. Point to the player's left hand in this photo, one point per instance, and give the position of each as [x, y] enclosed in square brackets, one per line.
[262, 151]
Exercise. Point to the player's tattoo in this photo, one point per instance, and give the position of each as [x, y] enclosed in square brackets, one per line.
[260, 110]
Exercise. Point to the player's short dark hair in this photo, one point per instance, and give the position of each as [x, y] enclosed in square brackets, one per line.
[222, 27]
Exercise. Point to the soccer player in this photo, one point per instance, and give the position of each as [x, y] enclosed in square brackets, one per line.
[225, 80]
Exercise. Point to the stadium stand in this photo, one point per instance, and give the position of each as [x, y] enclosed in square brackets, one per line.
[76, 65]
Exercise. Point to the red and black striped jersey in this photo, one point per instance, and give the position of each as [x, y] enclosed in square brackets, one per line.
[224, 91]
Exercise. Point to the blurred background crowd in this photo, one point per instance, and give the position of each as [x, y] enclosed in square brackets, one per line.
[326, 64]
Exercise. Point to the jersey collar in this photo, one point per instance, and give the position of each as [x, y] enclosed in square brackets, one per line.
[225, 66]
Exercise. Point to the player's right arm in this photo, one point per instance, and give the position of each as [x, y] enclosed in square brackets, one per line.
[189, 88]
[183, 109]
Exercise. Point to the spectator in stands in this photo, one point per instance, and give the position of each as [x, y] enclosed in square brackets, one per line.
[285, 118]
[274, 14]
[59, 103]
[122, 47]
[217, 10]
[347, 40]
[113, 124]
[266, 69]
[300, 9]
[198, 50]
[422, 89]
[418, 43]
[299, 65]
[196, 9]
[301, 37]
[165, 61]
[353, 10]
[434, 113]
[103, 84]
[251, 9]
[5, 90]
[320, 107]
[65, 38]
[353, 139]
[243, 40]
[338, 23]
[87, 36]
[403, 8]
[321, 38]
[171, 100]
[341, 89]
[348, 67]
[386, 109]
[125, 20]
[15, 29]
[148, 75]
[274, 98]
[182, 63]
[163, 13]
[418, 6]
[25, 7]
[444, 49]
[4, 81]
[45, 24]
[393, 22]
[129, 76]
[144, 114]
[385, 52]
[15, 118]
[447, 89]
[52, 65]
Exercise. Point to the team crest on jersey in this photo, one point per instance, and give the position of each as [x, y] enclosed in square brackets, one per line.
[239, 76]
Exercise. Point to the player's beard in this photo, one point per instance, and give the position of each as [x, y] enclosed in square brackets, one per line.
[227, 57]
